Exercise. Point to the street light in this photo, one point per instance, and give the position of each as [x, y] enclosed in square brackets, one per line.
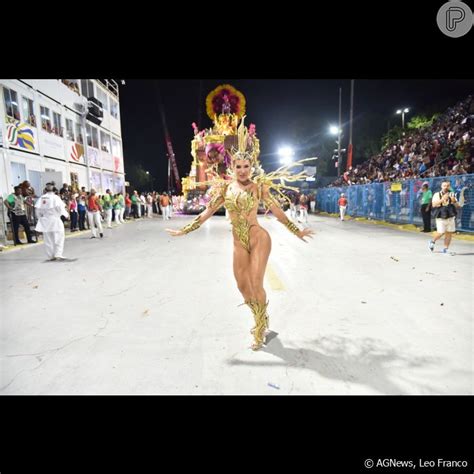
[333, 130]
[403, 112]
[147, 172]
[286, 153]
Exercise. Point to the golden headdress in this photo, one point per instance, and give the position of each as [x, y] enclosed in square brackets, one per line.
[248, 147]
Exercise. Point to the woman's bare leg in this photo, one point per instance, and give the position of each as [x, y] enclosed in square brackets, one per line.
[260, 247]
[241, 271]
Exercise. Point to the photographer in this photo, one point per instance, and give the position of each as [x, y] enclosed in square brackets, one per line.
[445, 207]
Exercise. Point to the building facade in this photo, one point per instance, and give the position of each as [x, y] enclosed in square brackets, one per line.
[68, 130]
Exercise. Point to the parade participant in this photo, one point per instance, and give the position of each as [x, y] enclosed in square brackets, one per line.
[49, 209]
[303, 209]
[252, 244]
[342, 202]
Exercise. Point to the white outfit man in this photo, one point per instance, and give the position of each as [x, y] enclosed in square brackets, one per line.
[49, 209]
[142, 205]
[149, 206]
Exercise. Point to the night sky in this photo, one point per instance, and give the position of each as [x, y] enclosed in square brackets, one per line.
[293, 112]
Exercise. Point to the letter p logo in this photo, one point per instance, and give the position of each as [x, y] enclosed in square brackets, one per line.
[454, 15]
[455, 18]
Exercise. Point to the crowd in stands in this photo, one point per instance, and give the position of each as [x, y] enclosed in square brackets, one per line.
[444, 148]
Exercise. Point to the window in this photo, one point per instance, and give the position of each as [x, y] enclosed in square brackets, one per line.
[116, 147]
[18, 172]
[89, 134]
[69, 130]
[95, 138]
[57, 129]
[79, 137]
[103, 98]
[113, 108]
[45, 119]
[11, 104]
[28, 112]
[105, 142]
[87, 88]
[72, 84]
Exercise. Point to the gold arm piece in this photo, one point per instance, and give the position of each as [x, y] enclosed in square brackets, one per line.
[194, 225]
[292, 227]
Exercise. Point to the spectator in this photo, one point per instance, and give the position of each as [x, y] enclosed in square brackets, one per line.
[16, 204]
[426, 199]
[107, 207]
[94, 208]
[82, 209]
[128, 206]
[72, 207]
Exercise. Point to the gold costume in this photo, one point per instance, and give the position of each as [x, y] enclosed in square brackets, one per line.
[261, 318]
[243, 206]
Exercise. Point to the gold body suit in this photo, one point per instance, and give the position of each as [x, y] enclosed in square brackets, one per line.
[243, 208]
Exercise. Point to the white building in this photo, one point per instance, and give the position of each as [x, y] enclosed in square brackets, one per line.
[62, 129]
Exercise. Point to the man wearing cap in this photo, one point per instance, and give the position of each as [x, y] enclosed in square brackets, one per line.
[426, 198]
[49, 209]
[342, 202]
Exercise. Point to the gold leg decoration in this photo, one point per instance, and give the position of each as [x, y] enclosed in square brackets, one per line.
[260, 316]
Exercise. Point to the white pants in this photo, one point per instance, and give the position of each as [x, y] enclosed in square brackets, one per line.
[166, 212]
[312, 206]
[108, 218]
[94, 222]
[342, 210]
[293, 211]
[53, 244]
[119, 215]
[303, 214]
[149, 209]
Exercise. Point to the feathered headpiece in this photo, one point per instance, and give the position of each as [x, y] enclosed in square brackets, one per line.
[247, 145]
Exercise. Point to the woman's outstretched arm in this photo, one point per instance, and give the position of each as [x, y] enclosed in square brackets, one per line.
[214, 204]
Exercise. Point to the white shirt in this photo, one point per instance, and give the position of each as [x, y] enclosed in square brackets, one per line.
[49, 209]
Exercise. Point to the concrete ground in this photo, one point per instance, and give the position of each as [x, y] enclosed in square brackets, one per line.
[360, 309]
